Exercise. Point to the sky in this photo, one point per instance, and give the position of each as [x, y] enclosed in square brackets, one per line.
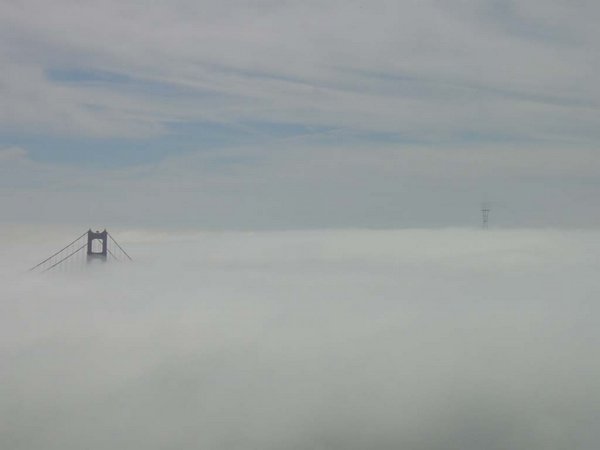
[300, 186]
[267, 114]
[333, 340]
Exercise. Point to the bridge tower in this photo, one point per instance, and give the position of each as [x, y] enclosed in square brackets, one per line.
[94, 243]
[97, 245]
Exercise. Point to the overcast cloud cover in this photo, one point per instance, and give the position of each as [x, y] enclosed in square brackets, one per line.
[263, 114]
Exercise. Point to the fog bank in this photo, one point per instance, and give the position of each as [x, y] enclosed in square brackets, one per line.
[411, 339]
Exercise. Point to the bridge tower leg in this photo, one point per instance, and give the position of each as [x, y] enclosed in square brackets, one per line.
[97, 245]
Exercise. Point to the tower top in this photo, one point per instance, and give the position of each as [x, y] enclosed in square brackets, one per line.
[97, 245]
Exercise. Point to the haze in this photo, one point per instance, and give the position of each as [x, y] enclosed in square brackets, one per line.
[455, 339]
[301, 186]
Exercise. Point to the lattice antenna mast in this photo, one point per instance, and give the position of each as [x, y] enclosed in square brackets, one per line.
[485, 216]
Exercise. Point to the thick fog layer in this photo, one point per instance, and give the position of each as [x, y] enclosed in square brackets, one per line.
[413, 340]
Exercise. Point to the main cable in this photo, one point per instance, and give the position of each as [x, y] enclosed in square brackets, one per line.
[121, 248]
[58, 252]
[65, 258]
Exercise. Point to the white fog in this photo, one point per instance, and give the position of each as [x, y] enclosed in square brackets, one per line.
[353, 339]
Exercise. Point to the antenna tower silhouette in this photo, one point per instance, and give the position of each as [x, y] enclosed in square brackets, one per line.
[485, 216]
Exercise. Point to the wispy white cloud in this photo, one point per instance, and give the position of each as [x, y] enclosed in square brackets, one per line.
[449, 68]
[398, 113]
[13, 154]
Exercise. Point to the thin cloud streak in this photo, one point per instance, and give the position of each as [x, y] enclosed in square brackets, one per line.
[291, 63]
[300, 115]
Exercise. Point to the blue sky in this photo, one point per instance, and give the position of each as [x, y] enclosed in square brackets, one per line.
[437, 103]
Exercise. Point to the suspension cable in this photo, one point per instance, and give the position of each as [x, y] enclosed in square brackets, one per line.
[58, 252]
[121, 248]
[65, 258]
[112, 254]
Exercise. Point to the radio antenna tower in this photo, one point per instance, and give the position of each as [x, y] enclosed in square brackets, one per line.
[485, 216]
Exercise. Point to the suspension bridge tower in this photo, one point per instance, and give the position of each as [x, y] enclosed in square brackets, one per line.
[90, 246]
[97, 245]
